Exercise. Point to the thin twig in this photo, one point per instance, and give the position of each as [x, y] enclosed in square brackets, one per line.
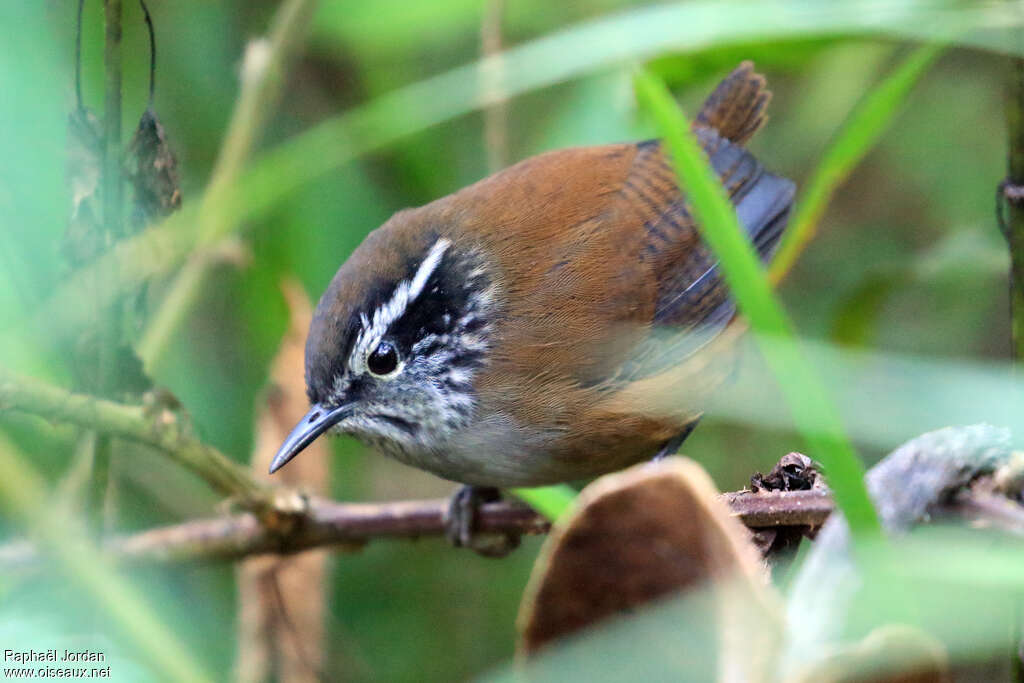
[1012, 191]
[326, 523]
[262, 83]
[496, 114]
[348, 526]
[780, 508]
[162, 430]
[112, 188]
[321, 523]
[152, 51]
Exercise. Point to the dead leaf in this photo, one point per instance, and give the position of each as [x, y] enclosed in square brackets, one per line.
[643, 534]
[281, 599]
[793, 472]
[152, 169]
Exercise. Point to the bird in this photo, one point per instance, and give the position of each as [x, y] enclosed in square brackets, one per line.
[524, 330]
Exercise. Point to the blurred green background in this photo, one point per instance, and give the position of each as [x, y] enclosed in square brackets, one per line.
[908, 260]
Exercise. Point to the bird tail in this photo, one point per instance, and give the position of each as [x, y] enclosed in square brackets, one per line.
[737, 107]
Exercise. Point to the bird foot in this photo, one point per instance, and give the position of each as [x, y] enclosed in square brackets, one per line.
[461, 521]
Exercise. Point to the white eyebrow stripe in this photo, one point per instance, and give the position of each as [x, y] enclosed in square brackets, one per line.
[405, 293]
[427, 268]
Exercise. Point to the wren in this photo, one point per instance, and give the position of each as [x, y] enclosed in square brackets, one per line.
[496, 336]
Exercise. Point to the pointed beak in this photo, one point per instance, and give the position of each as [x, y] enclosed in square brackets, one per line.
[317, 421]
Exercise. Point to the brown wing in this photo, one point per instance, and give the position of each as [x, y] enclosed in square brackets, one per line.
[692, 300]
[596, 251]
[569, 260]
[693, 305]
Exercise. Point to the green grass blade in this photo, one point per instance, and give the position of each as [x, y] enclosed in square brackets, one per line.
[550, 501]
[858, 135]
[813, 412]
[24, 497]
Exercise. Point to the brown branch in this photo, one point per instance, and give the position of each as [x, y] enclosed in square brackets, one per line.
[284, 522]
[326, 523]
[319, 523]
[323, 523]
[780, 508]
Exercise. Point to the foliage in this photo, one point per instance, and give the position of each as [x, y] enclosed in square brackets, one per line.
[378, 113]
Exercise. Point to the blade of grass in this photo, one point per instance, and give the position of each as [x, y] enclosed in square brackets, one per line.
[813, 412]
[855, 139]
[591, 46]
[23, 496]
[550, 501]
[263, 77]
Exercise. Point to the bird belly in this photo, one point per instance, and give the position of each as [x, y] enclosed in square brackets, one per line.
[496, 451]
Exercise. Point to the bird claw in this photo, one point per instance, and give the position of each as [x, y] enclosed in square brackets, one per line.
[461, 520]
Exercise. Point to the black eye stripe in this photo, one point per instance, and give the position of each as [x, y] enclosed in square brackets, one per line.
[452, 303]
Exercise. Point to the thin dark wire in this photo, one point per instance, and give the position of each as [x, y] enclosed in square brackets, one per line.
[152, 50]
[78, 57]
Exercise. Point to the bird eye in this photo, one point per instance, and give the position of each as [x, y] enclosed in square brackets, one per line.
[383, 360]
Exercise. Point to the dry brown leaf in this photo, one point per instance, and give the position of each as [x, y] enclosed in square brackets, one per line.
[153, 171]
[281, 599]
[640, 535]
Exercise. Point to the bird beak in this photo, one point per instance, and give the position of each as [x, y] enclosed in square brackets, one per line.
[317, 421]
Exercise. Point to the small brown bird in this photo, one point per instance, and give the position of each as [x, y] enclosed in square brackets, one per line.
[499, 336]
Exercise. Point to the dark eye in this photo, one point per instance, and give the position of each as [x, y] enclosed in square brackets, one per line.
[383, 360]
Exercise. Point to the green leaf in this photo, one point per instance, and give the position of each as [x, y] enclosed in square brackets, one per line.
[857, 136]
[550, 501]
[813, 412]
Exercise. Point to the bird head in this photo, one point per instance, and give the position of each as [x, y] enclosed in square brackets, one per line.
[395, 342]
